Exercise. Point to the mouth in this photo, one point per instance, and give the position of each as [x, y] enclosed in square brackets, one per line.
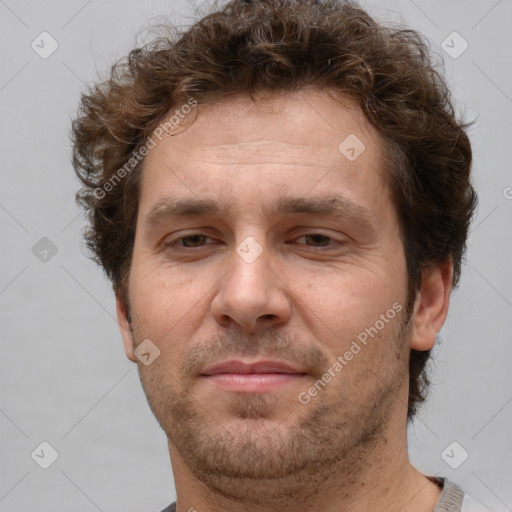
[255, 377]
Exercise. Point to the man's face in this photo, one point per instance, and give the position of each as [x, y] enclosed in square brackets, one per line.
[253, 303]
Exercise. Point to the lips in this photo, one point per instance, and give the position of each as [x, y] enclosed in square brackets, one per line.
[239, 367]
[254, 377]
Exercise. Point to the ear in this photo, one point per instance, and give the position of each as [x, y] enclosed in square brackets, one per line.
[126, 331]
[431, 306]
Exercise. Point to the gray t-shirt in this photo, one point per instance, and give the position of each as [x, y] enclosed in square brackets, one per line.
[452, 499]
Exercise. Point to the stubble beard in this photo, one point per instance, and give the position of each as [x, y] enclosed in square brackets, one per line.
[260, 461]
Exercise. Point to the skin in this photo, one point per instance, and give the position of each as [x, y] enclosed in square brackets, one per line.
[303, 300]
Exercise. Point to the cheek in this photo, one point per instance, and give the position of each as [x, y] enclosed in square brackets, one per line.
[341, 306]
[166, 305]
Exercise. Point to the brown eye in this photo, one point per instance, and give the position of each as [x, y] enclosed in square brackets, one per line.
[188, 242]
[192, 240]
[317, 240]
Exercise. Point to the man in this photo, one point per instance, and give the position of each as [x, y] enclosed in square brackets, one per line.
[281, 197]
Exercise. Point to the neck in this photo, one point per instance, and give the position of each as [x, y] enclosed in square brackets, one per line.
[380, 479]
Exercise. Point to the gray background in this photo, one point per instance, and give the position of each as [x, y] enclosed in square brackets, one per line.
[64, 375]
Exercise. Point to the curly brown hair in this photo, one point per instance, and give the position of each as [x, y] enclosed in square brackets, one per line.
[252, 46]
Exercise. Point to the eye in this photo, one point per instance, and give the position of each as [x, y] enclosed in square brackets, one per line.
[189, 241]
[316, 240]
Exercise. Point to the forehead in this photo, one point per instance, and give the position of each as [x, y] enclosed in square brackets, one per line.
[304, 141]
[308, 119]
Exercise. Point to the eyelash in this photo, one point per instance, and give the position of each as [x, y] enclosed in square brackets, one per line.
[174, 244]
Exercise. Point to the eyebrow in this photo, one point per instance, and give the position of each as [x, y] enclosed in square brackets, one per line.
[335, 206]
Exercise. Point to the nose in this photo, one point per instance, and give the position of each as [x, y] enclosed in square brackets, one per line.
[251, 296]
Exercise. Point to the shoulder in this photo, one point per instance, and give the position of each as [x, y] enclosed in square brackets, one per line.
[454, 499]
[170, 508]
